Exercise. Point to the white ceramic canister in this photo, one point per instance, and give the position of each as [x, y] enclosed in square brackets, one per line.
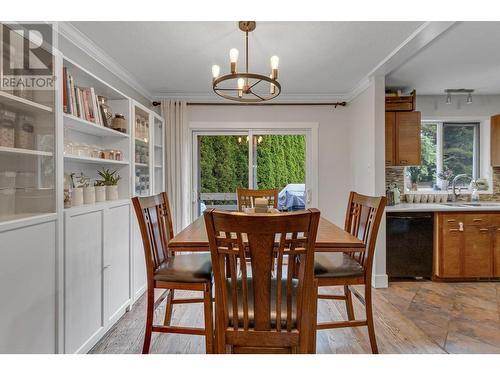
[7, 202]
[100, 193]
[89, 195]
[8, 180]
[112, 193]
[77, 196]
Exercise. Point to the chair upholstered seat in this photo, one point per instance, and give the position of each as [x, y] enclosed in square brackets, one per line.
[187, 268]
[251, 310]
[333, 266]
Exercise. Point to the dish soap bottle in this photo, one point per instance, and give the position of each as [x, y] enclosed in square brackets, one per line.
[397, 194]
[474, 197]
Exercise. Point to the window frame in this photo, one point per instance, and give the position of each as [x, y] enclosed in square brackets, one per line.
[440, 126]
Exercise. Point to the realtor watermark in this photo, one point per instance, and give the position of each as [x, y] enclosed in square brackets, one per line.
[27, 61]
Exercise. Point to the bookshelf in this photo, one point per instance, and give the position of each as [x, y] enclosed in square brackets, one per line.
[84, 136]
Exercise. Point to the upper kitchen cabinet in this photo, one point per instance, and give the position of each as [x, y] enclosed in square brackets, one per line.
[402, 138]
[495, 141]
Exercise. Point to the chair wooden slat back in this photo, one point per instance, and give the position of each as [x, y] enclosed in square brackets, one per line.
[246, 197]
[155, 223]
[249, 284]
[363, 218]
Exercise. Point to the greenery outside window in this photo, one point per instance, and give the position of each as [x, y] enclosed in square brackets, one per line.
[448, 149]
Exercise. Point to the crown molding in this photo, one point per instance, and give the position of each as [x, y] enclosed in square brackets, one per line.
[80, 40]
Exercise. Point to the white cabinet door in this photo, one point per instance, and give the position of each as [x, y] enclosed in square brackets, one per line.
[83, 279]
[116, 261]
[28, 289]
[139, 268]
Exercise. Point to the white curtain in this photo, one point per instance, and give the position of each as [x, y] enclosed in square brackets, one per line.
[177, 161]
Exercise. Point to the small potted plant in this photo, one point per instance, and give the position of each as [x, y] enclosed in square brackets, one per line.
[100, 191]
[110, 180]
[444, 179]
[414, 174]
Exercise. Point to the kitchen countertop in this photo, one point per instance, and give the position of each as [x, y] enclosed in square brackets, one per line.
[443, 207]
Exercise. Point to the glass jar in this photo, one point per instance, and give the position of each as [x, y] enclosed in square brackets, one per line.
[68, 148]
[25, 137]
[95, 152]
[119, 123]
[118, 155]
[7, 130]
[82, 150]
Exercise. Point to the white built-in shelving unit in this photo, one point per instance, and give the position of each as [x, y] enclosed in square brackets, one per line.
[86, 263]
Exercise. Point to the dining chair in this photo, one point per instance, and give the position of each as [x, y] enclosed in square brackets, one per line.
[260, 307]
[166, 270]
[362, 220]
[246, 197]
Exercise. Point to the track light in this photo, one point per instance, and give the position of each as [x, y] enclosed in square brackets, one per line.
[459, 92]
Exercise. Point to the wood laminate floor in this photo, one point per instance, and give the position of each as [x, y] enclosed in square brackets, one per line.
[410, 317]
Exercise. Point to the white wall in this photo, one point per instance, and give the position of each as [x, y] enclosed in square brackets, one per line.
[334, 167]
[367, 150]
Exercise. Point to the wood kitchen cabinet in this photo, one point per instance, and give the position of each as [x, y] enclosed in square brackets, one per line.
[495, 141]
[402, 138]
[467, 245]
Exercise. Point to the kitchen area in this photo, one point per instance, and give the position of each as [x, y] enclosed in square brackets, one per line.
[441, 224]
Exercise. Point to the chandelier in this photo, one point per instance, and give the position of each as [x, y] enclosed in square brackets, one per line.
[246, 87]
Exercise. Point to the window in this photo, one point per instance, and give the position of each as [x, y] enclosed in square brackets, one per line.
[256, 159]
[452, 148]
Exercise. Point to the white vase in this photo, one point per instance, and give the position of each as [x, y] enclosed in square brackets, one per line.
[100, 193]
[89, 195]
[112, 193]
[77, 196]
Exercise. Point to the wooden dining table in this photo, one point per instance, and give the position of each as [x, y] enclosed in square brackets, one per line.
[330, 238]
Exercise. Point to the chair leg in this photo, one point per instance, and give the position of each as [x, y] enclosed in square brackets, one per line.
[209, 332]
[149, 320]
[168, 308]
[348, 303]
[369, 319]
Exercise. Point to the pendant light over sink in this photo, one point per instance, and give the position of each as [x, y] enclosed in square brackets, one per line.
[246, 87]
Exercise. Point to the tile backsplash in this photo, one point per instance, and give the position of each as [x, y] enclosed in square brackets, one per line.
[396, 175]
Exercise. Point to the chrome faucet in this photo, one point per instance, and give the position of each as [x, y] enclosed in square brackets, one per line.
[453, 185]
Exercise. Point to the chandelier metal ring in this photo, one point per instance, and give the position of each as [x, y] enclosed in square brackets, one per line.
[258, 97]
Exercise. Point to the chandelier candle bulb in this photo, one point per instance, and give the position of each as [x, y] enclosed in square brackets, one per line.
[241, 85]
[274, 66]
[215, 71]
[233, 58]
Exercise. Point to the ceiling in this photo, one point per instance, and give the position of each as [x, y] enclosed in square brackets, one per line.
[317, 59]
[465, 56]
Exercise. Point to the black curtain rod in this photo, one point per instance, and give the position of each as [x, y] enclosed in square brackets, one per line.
[334, 104]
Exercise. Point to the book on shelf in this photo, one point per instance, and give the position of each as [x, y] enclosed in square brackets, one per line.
[81, 102]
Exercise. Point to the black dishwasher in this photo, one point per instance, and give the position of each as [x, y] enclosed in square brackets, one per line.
[409, 244]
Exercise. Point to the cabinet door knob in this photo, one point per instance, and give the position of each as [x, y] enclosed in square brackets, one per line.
[107, 266]
[483, 229]
[461, 227]
[477, 220]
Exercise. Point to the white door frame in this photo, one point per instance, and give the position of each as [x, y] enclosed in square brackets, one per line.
[309, 129]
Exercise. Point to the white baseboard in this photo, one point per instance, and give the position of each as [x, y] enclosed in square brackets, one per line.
[380, 281]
